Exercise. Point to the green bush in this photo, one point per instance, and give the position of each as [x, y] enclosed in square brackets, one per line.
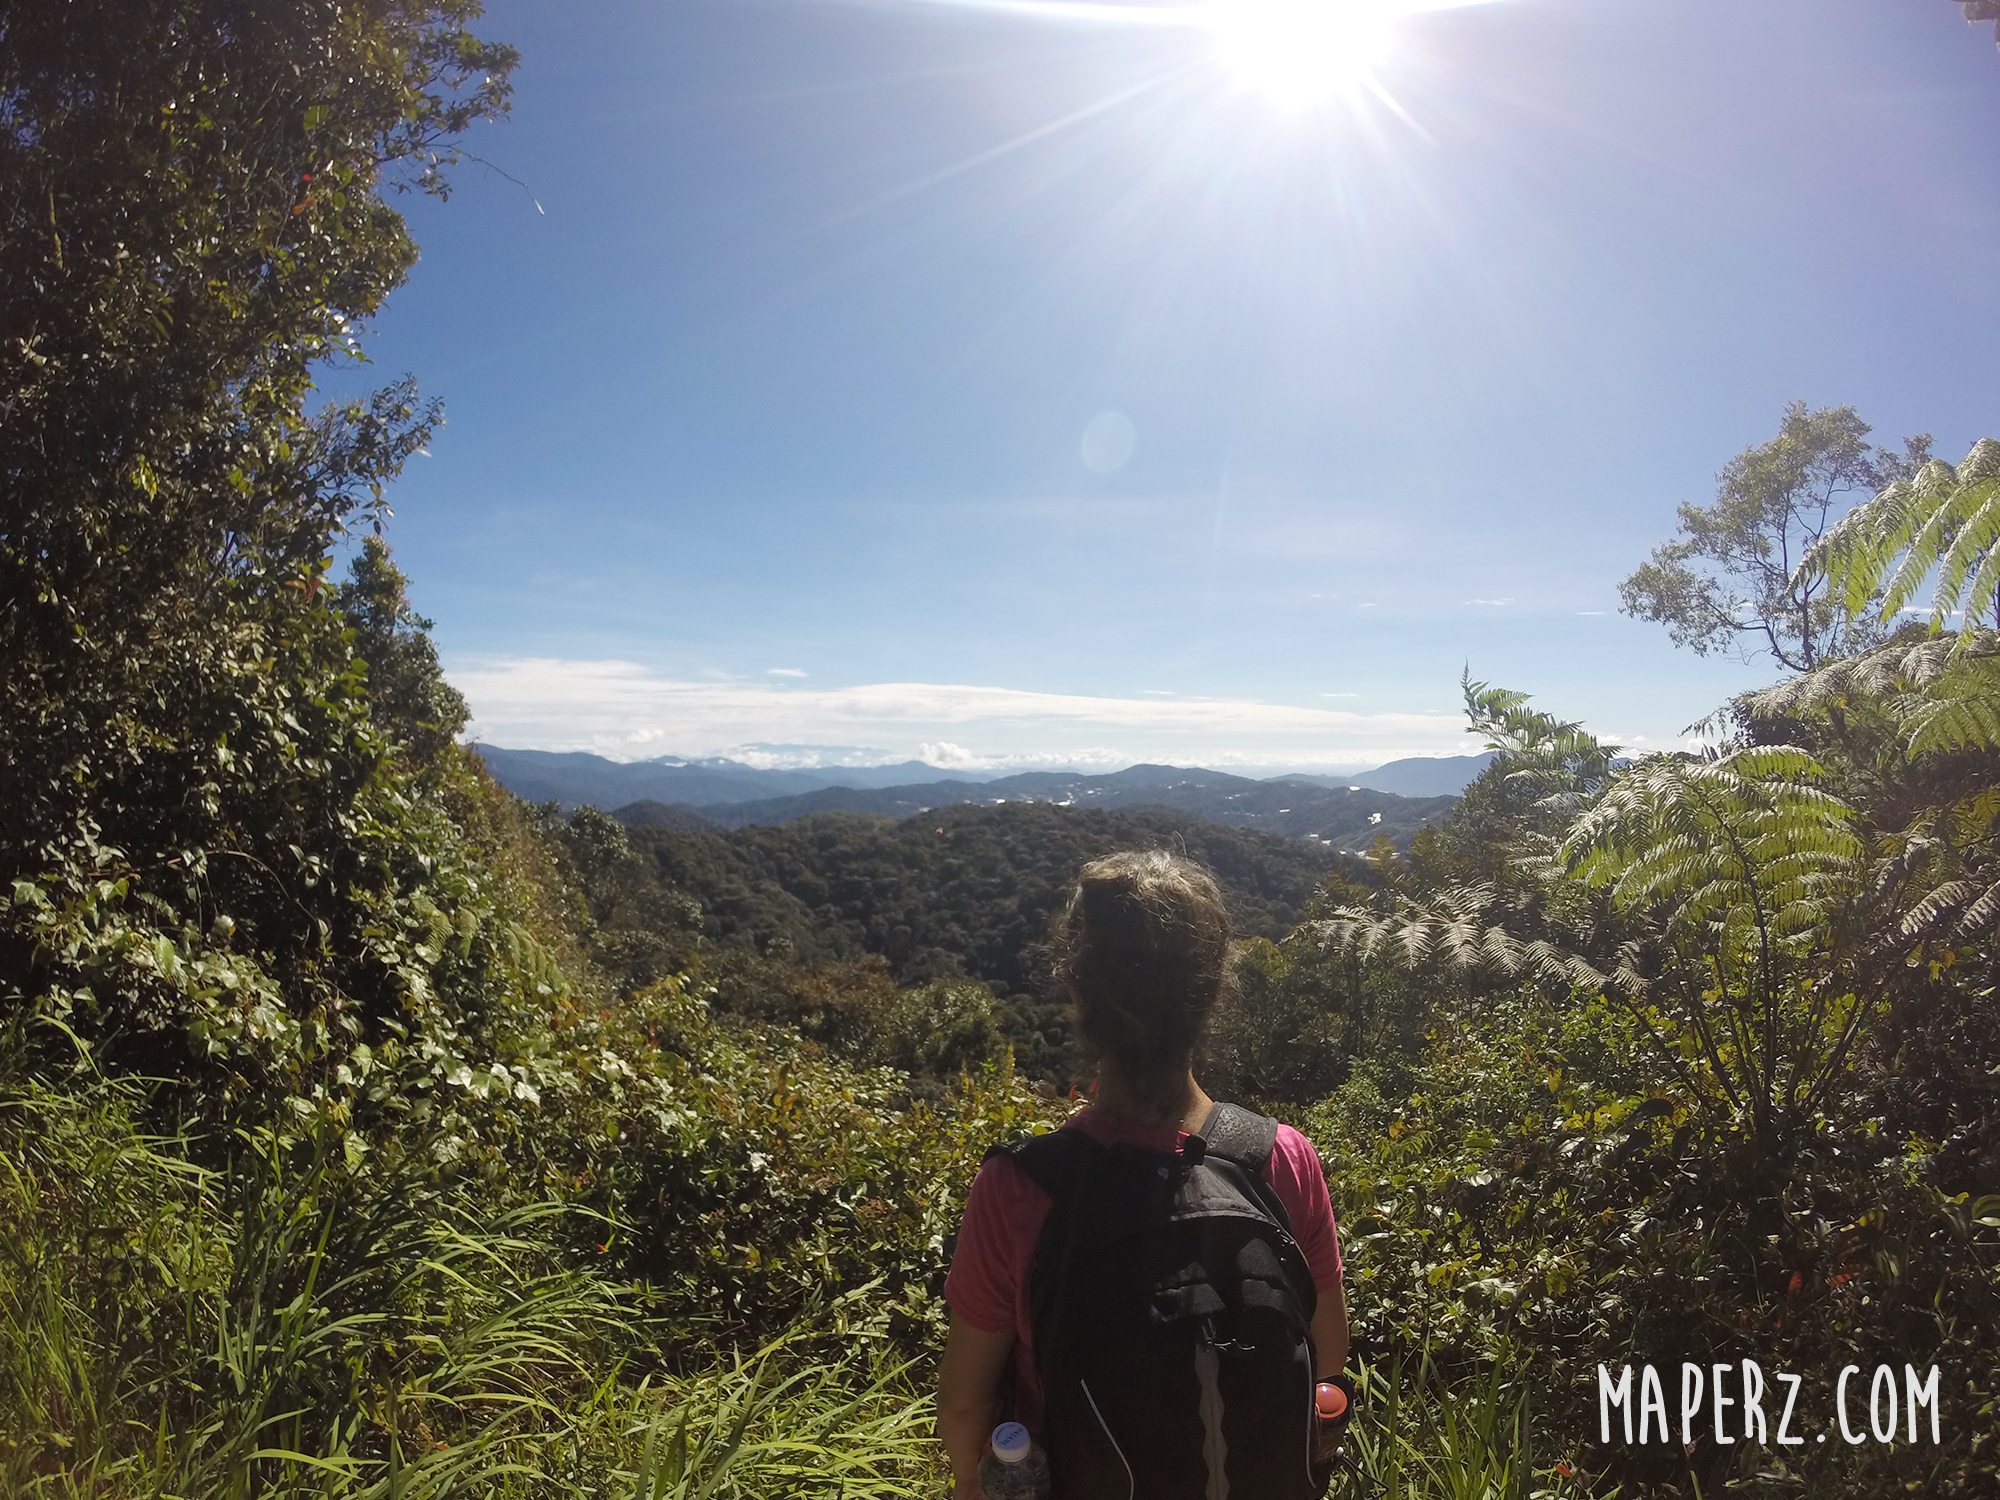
[1533, 1204]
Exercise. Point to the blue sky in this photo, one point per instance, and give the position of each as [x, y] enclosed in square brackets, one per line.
[784, 418]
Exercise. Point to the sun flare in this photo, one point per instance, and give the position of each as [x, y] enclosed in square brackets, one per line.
[1302, 52]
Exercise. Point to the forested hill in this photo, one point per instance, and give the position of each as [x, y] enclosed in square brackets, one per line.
[1341, 819]
[1396, 799]
[966, 890]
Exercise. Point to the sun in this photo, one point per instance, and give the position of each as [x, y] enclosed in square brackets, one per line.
[1302, 52]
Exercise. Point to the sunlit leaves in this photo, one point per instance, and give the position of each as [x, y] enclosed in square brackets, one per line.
[1745, 865]
[1743, 851]
[1560, 760]
[193, 190]
[1743, 572]
[1942, 692]
[1942, 523]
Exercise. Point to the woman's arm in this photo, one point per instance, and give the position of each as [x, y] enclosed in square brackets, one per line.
[1329, 1330]
[968, 1395]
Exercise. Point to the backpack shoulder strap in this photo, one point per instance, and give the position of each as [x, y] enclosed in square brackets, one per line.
[1050, 1161]
[1242, 1136]
[1246, 1139]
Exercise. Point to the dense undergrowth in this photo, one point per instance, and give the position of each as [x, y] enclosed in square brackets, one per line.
[673, 1262]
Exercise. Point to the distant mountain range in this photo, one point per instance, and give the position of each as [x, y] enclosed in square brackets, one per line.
[690, 795]
[1419, 776]
[575, 778]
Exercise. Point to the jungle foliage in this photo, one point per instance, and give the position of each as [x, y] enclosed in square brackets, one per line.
[312, 1108]
[824, 922]
[1713, 1067]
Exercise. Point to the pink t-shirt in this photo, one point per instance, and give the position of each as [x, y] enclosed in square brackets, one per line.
[988, 1282]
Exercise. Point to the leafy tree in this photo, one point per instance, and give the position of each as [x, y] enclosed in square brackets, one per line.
[1977, 11]
[192, 217]
[202, 829]
[408, 692]
[1732, 578]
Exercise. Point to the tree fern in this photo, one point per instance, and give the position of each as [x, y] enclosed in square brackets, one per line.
[1746, 865]
[1942, 691]
[1942, 522]
[1480, 930]
[1563, 762]
[1713, 897]
[1742, 845]
[1936, 873]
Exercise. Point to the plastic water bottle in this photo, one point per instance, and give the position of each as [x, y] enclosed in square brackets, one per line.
[1330, 1415]
[1014, 1467]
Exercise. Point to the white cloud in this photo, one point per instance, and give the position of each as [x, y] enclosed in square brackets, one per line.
[947, 756]
[783, 672]
[1496, 603]
[626, 711]
[944, 754]
[769, 757]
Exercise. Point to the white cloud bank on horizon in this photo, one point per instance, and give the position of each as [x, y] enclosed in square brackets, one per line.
[624, 711]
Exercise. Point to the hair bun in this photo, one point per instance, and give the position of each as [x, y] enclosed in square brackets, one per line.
[1144, 945]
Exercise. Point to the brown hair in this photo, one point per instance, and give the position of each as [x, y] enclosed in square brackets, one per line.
[1144, 946]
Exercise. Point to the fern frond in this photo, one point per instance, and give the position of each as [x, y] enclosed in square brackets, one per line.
[1961, 711]
[1856, 551]
[1941, 522]
[1980, 915]
[1456, 930]
[1921, 919]
[1732, 849]
[1558, 758]
[1974, 817]
[1944, 692]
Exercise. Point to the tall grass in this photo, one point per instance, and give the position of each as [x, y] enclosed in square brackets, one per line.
[783, 1421]
[280, 1327]
[275, 1324]
[1420, 1435]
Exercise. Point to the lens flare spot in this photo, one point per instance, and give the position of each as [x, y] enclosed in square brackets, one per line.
[1108, 441]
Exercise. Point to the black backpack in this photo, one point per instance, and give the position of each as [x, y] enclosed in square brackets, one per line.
[1172, 1315]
